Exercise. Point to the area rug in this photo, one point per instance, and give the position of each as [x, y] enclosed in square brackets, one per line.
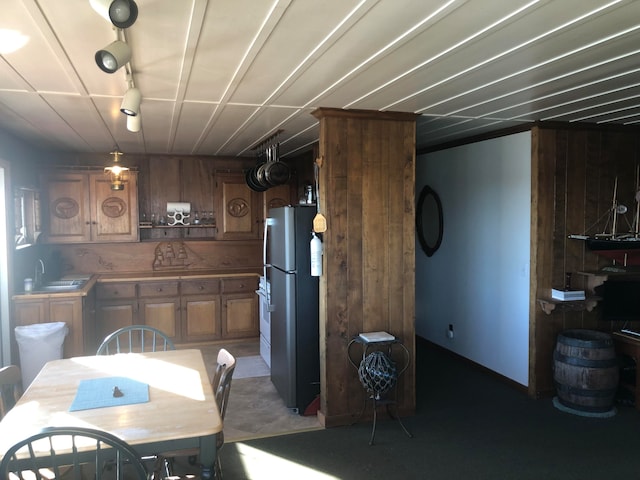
[247, 367]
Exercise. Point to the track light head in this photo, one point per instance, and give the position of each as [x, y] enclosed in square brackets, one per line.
[134, 123]
[131, 102]
[122, 13]
[113, 56]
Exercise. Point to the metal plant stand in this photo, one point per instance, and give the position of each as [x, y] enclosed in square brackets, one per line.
[378, 374]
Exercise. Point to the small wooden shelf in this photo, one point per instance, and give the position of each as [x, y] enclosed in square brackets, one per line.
[550, 304]
[177, 226]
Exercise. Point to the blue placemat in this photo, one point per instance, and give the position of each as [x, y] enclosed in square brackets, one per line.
[98, 393]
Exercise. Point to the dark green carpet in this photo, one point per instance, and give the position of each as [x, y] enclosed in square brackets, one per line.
[469, 425]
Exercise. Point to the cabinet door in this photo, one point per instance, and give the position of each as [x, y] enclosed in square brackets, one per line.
[201, 318]
[237, 208]
[114, 314]
[161, 313]
[275, 197]
[240, 316]
[67, 208]
[69, 311]
[114, 213]
[160, 306]
[29, 312]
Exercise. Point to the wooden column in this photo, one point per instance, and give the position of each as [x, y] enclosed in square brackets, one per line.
[367, 183]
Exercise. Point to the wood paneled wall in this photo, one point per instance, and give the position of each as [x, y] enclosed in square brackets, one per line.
[573, 175]
[367, 183]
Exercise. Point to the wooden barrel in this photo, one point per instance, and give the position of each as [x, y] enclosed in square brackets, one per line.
[585, 370]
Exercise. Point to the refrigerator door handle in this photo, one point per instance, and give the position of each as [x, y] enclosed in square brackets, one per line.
[265, 265]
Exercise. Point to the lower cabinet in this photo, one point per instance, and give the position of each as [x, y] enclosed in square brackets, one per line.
[200, 307]
[187, 310]
[240, 317]
[68, 309]
[159, 307]
[116, 307]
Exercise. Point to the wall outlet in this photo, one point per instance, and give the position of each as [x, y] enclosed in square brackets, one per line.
[450, 331]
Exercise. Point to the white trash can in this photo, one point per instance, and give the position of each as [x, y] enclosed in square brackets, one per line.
[38, 344]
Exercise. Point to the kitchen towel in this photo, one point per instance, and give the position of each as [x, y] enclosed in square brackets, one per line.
[99, 393]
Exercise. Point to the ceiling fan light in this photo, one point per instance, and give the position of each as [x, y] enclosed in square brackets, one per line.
[113, 56]
[134, 123]
[131, 102]
[121, 13]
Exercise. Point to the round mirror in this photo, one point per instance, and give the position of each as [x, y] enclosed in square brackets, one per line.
[429, 223]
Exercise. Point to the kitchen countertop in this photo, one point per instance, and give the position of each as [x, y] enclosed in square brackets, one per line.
[135, 277]
[173, 275]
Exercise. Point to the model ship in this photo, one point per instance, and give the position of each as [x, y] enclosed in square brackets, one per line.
[622, 247]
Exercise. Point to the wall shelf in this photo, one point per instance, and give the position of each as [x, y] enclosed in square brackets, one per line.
[549, 304]
[176, 226]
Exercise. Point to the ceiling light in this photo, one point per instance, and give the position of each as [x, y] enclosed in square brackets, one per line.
[113, 56]
[134, 123]
[122, 13]
[118, 173]
[131, 102]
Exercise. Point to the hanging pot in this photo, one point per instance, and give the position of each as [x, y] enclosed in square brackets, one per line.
[276, 173]
[252, 182]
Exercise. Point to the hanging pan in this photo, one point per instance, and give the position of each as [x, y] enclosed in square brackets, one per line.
[276, 172]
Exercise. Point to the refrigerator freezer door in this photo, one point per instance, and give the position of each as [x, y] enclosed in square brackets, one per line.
[283, 335]
[282, 238]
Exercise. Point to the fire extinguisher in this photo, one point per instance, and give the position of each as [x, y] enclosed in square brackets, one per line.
[316, 256]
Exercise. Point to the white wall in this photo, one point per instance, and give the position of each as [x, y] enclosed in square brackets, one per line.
[478, 280]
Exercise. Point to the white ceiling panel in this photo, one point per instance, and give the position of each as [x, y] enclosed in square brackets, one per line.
[217, 77]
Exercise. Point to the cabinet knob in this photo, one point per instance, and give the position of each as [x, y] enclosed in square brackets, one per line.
[201, 287]
[159, 289]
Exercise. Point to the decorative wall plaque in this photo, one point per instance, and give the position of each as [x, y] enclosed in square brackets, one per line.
[237, 207]
[114, 207]
[277, 203]
[65, 208]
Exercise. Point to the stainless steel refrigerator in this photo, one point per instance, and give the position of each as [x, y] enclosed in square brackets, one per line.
[295, 356]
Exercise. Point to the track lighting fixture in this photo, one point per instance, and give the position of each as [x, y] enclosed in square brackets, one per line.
[134, 123]
[131, 102]
[113, 56]
[122, 13]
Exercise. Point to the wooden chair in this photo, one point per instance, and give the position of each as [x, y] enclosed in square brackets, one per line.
[135, 338]
[10, 388]
[221, 383]
[72, 452]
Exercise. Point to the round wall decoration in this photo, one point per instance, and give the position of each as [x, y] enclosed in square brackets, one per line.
[237, 207]
[65, 208]
[277, 203]
[429, 221]
[114, 207]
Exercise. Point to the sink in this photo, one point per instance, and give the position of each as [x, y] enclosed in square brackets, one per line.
[62, 285]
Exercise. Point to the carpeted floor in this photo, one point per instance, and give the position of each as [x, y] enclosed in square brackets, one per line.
[468, 425]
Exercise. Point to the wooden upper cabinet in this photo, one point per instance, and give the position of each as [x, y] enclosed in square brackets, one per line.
[81, 208]
[237, 207]
[274, 197]
[67, 208]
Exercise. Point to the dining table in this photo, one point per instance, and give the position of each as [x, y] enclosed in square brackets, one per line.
[156, 402]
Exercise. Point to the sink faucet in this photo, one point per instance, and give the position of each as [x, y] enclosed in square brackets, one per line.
[39, 271]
